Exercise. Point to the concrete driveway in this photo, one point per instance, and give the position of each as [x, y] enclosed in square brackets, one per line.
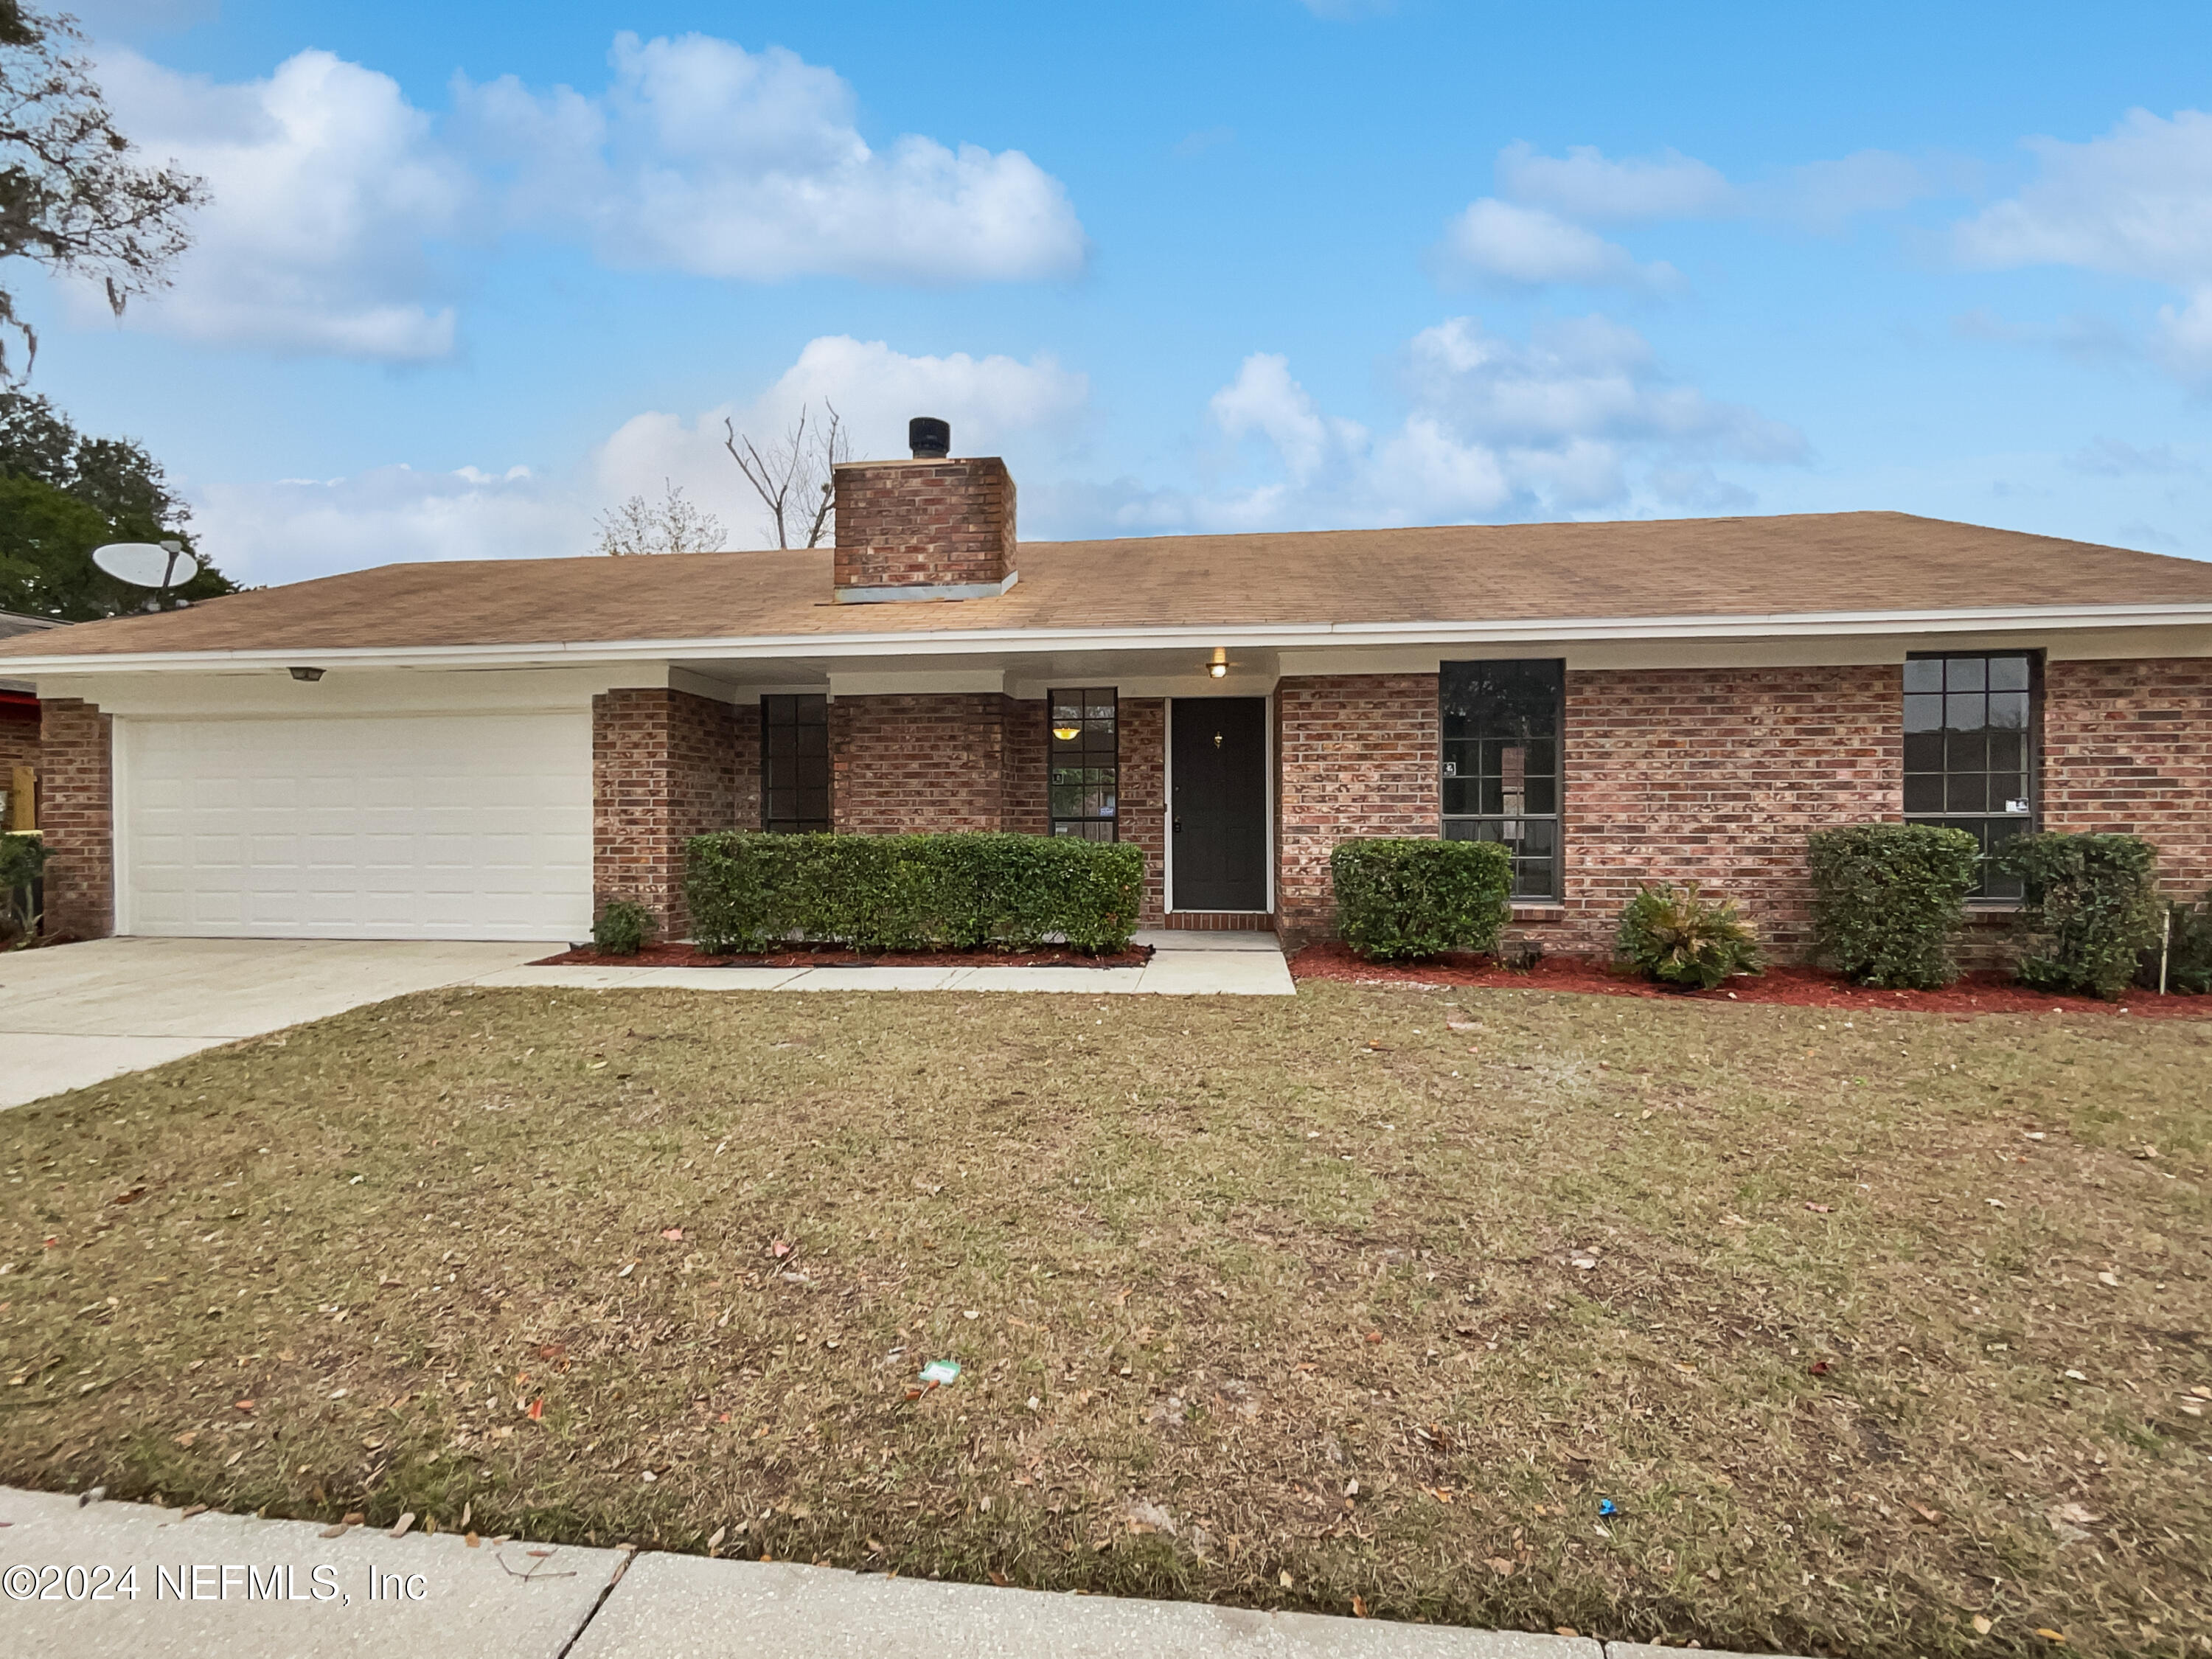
[79, 1014]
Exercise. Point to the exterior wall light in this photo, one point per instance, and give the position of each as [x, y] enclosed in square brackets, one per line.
[308, 675]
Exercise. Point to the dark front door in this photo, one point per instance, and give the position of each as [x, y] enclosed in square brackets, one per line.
[1220, 823]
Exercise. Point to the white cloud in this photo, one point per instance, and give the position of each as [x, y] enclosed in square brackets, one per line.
[295, 528]
[326, 185]
[1511, 246]
[1579, 418]
[705, 158]
[1585, 184]
[2135, 202]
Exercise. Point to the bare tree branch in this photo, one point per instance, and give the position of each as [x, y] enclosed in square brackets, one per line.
[672, 525]
[792, 479]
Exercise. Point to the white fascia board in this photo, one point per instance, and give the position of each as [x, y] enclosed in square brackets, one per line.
[1288, 635]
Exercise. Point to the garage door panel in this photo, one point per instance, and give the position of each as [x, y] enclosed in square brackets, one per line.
[438, 827]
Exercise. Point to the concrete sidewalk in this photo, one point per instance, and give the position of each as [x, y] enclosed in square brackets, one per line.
[79, 1014]
[1182, 964]
[230, 1587]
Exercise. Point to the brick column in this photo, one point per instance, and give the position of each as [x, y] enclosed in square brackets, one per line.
[665, 766]
[1144, 798]
[76, 811]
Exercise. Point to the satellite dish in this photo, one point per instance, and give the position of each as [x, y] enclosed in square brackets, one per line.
[147, 564]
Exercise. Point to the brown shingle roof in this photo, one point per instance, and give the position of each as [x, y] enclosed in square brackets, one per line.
[1814, 562]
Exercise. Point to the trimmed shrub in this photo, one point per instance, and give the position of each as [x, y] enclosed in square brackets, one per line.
[1671, 934]
[2090, 912]
[1397, 899]
[624, 929]
[2187, 950]
[1889, 898]
[22, 859]
[748, 890]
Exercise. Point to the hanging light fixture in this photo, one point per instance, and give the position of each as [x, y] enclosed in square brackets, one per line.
[1220, 666]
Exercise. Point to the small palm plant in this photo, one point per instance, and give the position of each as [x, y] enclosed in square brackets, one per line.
[1670, 934]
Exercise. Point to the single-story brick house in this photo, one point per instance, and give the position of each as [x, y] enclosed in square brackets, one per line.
[486, 750]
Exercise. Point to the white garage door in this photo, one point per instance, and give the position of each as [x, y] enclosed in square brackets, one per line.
[475, 827]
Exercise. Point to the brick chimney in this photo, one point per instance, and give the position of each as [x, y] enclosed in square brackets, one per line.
[929, 528]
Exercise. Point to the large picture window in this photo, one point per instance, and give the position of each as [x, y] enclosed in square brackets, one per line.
[1084, 763]
[1971, 725]
[795, 764]
[1501, 725]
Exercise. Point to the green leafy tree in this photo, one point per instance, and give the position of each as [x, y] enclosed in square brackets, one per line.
[72, 197]
[61, 494]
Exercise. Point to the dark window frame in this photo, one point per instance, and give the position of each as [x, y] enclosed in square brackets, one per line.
[790, 756]
[1098, 800]
[2003, 892]
[1540, 877]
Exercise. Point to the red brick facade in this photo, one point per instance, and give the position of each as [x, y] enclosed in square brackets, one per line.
[1143, 801]
[1026, 808]
[930, 761]
[1713, 778]
[2127, 745]
[76, 813]
[1356, 755]
[923, 523]
[665, 766]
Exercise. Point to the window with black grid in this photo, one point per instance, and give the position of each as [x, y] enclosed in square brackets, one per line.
[1970, 740]
[1501, 723]
[1084, 762]
[795, 764]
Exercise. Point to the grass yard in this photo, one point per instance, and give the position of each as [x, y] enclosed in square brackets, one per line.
[1880, 1334]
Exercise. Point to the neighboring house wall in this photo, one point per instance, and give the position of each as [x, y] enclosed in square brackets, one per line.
[1357, 755]
[18, 743]
[665, 766]
[2127, 745]
[76, 812]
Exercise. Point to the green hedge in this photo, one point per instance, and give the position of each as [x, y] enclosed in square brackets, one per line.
[1670, 934]
[624, 929]
[2091, 910]
[751, 892]
[1888, 899]
[1397, 899]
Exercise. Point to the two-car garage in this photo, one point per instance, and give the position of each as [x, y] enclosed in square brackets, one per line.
[434, 826]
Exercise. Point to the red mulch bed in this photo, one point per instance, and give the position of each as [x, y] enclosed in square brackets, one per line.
[1803, 988]
[832, 956]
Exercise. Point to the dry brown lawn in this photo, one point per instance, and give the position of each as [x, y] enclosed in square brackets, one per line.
[1868, 1328]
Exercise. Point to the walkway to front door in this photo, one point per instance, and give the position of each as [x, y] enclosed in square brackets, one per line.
[1218, 817]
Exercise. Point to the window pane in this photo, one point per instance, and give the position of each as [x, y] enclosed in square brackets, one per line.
[1083, 774]
[1500, 729]
[1967, 758]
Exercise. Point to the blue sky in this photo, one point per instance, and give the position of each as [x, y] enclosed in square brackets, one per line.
[473, 273]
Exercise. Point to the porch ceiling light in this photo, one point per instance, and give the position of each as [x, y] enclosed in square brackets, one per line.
[1220, 666]
[309, 674]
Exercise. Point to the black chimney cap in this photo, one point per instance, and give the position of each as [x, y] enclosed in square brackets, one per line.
[929, 437]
